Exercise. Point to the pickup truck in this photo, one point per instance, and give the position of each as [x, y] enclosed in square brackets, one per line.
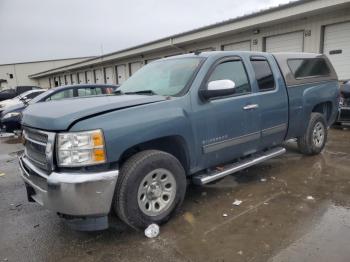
[189, 118]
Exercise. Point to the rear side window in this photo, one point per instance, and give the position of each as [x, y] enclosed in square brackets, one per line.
[235, 71]
[68, 93]
[263, 75]
[89, 91]
[308, 67]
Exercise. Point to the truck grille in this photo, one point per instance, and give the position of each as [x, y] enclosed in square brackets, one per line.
[36, 144]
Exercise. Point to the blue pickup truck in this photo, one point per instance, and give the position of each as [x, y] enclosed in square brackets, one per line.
[173, 122]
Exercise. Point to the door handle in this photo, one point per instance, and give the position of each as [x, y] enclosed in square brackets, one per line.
[252, 106]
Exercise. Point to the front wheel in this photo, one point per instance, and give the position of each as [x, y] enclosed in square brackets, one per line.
[315, 137]
[150, 188]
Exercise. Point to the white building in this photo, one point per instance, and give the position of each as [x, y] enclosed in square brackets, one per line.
[16, 74]
[319, 26]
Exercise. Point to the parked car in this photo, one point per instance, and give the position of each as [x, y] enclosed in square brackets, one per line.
[13, 92]
[176, 119]
[344, 104]
[10, 119]
[26, 96]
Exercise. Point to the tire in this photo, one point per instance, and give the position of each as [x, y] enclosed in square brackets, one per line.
[315, 137]
[130, 199]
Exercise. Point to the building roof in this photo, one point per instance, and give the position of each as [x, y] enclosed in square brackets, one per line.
[284, 12]
[49, 60]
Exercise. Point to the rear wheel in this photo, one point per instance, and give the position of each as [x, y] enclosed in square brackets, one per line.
[315, 137]
[150, 188]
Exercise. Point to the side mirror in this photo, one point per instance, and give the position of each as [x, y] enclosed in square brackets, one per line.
[218, 88]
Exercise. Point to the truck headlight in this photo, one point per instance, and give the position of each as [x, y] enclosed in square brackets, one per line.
[80, 148]
[9, 115]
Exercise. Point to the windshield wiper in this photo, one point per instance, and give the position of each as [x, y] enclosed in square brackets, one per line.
[150, 92]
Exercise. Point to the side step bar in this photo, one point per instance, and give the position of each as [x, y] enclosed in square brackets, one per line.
[203, 179]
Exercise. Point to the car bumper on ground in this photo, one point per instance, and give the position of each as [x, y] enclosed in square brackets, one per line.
[71, 194]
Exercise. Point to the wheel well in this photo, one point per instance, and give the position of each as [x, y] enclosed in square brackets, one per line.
[324, 108]
[174, 145]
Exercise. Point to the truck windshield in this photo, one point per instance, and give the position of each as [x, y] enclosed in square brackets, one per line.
[165, 77]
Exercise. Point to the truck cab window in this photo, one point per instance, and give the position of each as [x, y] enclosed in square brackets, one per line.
[263, 75]
[235, 71]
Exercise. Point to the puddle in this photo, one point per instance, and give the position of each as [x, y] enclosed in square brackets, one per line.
[327, 240]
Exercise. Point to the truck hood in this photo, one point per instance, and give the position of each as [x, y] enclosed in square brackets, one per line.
[60, 115]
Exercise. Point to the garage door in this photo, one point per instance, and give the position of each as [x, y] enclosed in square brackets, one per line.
[291, 42]
[241, 46]
[89, 77]
[134, 67]
[81, 77]
[99, 76]
[61, 80]
[337, 48]
[109, 75]
[121, 74]
[74, 79]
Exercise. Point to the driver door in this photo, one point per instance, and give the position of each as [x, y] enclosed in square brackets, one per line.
[228, 126]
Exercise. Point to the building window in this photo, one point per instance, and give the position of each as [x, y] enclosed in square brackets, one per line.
[11, 76]
[263, 75]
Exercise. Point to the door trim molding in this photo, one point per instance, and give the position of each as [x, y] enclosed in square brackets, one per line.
[274, 130]
[230, 142]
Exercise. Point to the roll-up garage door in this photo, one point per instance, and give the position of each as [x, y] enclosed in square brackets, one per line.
[89, 77]
[291, 42]
[337, 48]
[134, 67]
[74, 79]
[99, 76]
[121, 74]
[61, 79]
[241, 46]
[109, 75]
[81, 77]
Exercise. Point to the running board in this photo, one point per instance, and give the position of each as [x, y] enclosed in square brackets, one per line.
[203, 179]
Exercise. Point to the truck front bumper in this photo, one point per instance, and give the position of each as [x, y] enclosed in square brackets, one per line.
[73, 194]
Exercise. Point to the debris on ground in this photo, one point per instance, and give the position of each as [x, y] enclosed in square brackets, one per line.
[224, 215]
[237, 202]
[189, 217]
[37, 225]
[263, 180]
[152, 231]
[310, 198]
[240, 252]
[2, 174]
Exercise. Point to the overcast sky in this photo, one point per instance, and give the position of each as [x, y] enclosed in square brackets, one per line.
[48, 29]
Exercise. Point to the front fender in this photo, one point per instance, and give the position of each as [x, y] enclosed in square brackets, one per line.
[126, 128]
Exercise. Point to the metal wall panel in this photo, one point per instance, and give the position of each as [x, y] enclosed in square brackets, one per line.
[337, 47]
[290, 42]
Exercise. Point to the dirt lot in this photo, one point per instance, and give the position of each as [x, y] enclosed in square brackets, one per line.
[294, 208]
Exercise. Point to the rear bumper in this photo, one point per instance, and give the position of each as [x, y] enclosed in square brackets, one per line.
[75, 194]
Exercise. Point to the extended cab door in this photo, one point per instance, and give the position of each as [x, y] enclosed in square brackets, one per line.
[272, 100]
[227, 127]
